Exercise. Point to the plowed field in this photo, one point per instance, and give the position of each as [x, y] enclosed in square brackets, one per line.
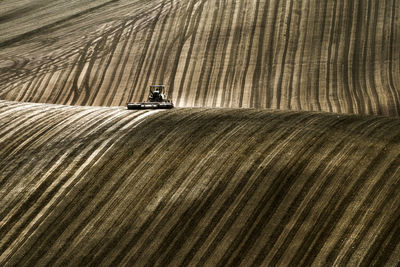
[284, 148]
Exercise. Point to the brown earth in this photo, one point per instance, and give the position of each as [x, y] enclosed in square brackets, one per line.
[197, 186]
[209, 183]
[336, 56]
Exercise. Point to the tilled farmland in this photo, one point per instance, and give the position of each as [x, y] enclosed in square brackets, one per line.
[283, 148]
[86, 185]
[335, 56]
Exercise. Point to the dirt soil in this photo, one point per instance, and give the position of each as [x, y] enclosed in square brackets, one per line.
[284, 148]
[334, 56]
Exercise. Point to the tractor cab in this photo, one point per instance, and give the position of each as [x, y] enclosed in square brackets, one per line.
[157, 93]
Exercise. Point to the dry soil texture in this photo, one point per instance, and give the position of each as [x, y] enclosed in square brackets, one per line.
[332, 55]
[87, 185]
[209, 184]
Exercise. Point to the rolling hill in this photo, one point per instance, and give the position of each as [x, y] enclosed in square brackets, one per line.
[92, 185]
[335, 56]
[284, 148]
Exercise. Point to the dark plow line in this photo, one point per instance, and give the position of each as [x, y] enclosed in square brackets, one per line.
[34, 32]
[205, 186]
[276, 171]
[290, 70]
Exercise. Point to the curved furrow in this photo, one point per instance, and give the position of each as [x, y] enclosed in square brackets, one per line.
[106, 186]
[39, 193]
[338, 56]
[64, 128]
[73, 190]
[284, 148]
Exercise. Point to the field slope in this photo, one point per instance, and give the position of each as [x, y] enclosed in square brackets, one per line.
[89, 185]
[284, 148]
[336, 56]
